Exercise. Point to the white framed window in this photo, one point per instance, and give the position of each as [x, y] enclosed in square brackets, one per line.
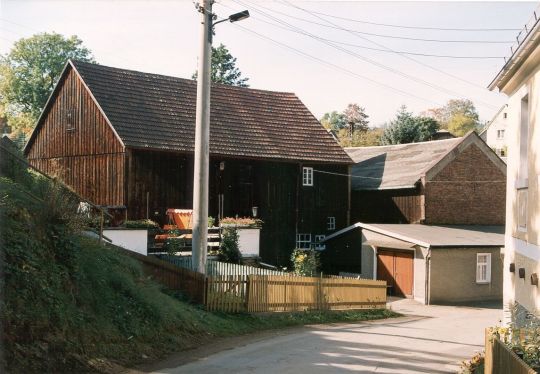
[331, 223]
[319, 245]
[500, 134]
[303, 241]
[307, 176]
[483, 267]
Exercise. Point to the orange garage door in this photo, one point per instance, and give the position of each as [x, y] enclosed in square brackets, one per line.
[396, 268]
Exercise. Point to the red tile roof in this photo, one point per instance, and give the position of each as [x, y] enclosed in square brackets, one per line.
[158, 112]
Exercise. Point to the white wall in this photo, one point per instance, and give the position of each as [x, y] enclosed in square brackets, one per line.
[498, 123]
[248, 241]
[134, 240]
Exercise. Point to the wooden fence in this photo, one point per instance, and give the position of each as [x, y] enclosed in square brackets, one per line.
[500, 359]
[190, 283]
[278, 293]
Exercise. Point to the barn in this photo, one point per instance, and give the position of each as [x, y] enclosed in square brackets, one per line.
[125, 139]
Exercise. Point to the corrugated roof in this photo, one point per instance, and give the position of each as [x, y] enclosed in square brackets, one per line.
[158, 112]
[395, 166]
[442, 236]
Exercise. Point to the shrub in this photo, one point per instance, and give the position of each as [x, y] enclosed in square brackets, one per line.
[242, 221]
[305, 262]
[141, 224]
[474, 366]
[229, 251]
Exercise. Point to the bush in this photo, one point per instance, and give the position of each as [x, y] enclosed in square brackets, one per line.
[474, 366]
[305, 262]
[141, 224]
[229, 251]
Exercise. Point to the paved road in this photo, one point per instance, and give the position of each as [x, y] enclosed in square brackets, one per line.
[431, 339]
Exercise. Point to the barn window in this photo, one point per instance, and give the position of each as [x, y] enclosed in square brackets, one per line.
[331, 223]
[319, 245]
[307, 176]
[483, 267]
[303, 241]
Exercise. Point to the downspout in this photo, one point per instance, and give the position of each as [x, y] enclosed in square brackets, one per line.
[428, 266]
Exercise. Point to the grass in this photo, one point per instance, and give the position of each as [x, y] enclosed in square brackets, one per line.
[70, 305]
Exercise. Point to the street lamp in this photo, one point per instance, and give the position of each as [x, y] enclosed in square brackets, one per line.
[199, 243]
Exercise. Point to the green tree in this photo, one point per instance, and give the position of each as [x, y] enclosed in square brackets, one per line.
[333, 121]
[406, 128]
[29, 72]
[224, 68]
[459, 116]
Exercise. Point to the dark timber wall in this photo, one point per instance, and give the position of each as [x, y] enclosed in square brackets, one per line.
[285, 206]
[387, 206]
[76, 144]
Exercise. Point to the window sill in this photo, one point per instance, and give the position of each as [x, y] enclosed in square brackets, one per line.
[486, 282]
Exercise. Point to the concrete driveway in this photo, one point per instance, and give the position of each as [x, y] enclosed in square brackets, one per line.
[430, 339]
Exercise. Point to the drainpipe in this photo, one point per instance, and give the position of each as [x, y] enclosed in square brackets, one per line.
[428, 266]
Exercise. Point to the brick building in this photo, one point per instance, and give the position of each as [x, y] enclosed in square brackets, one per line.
[446, 183]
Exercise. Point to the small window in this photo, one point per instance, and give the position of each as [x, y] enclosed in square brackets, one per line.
[331, 223]
[483, 267]
[500, 134]
[505, 115]
[303, 241]
[319, 245]
[307, 176]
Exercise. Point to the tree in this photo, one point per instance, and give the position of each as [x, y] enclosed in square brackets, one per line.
[406, 128]
[224, 68]
[355, 118]
[333, 121]
[458, 116]
[371, 137]
[29, 72]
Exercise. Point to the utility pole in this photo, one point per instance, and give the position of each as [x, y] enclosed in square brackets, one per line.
[199, 242]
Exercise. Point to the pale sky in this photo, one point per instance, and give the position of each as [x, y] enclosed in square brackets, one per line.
[163, 37]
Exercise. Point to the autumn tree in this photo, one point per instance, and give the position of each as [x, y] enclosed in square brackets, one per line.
[355, 118]
[224, 68]
[459, 116]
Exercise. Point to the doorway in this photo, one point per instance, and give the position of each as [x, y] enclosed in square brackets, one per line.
[397, 269]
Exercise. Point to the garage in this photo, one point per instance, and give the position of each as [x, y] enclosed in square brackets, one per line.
[397, 269]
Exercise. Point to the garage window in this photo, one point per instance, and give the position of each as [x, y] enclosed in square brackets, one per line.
[483, 267]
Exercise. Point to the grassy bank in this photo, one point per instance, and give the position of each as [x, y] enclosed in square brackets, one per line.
[70, 305]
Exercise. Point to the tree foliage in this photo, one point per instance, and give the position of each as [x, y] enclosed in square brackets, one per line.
[355, 118]
[224, 68]
[350, 126]
[333, 121]
[459, 116]
[29, 72]
[406, 128]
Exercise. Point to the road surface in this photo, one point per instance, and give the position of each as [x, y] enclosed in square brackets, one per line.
[430, 339]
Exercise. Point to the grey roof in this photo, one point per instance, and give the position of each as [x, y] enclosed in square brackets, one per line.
[436, 236]
[442, 236]
[395, 166]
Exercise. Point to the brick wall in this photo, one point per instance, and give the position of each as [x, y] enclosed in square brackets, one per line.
[469, 190]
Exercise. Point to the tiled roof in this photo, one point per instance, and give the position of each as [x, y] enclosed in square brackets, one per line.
[395, 166]
[158, 112]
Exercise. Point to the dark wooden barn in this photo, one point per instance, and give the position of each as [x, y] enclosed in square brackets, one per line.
[125, 138]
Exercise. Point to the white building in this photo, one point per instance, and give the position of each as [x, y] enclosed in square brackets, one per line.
[519, 79]
[494, 134]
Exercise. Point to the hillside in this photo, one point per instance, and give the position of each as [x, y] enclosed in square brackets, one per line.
[71, 305]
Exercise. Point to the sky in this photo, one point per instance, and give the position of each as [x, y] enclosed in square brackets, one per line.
[330, 53]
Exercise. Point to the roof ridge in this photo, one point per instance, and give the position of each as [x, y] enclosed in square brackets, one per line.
[191, 81]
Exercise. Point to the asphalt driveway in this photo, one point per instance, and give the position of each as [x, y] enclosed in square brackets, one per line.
[430, 339]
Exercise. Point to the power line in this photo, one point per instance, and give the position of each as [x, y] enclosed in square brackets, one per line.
[378, 49]
[337, 27]
[332, 65]
[412, 27]
[404, 56]
[356, 55]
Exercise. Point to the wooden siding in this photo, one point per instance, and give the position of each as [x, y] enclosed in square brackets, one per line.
[387, 206]
[274, 187]
[74, 142]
